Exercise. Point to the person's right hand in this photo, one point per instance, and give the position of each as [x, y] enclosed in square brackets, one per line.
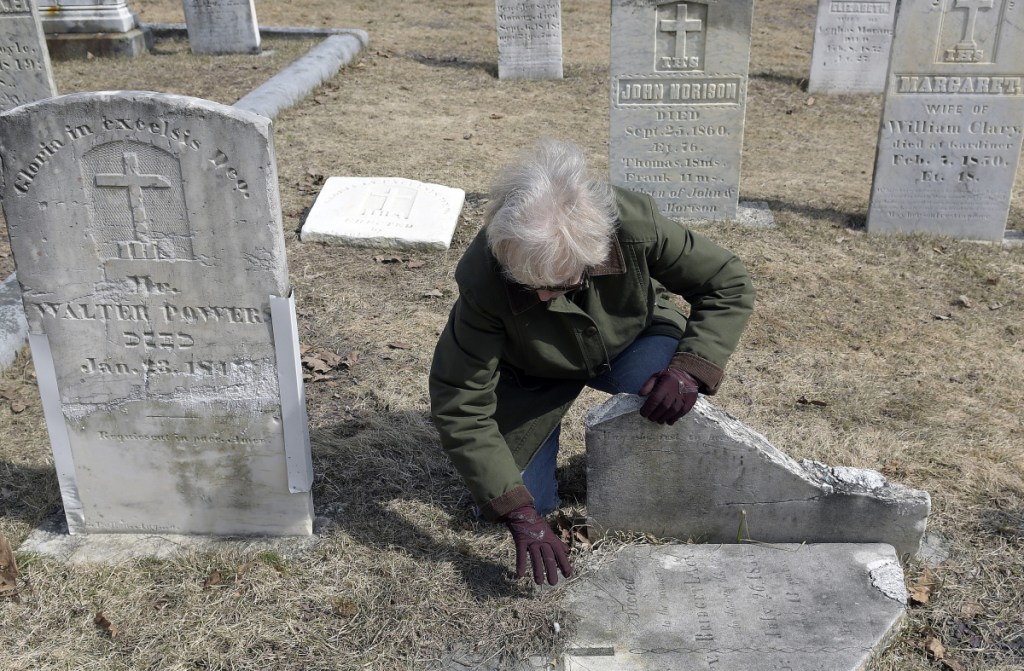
[536, 541]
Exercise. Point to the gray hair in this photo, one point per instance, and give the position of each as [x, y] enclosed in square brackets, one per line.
[546, 222]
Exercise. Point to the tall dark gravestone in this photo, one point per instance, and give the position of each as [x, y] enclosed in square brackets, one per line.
[952, 121]
[678, 97]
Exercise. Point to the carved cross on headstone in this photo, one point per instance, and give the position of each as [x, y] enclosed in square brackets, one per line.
[135, 182]
[680, 26]
[972, 7]
[390, 202]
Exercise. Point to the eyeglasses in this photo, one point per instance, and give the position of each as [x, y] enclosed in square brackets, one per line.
[564, 288]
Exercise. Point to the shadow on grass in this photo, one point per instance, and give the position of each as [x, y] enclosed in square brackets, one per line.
[842, 218]
[362, 468]
[28, 494]
[452, 61]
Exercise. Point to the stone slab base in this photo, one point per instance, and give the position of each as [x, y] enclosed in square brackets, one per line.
[794, 607]
[70, 46]
[51, 539]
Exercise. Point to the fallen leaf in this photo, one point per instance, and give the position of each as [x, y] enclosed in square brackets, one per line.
[995, 306]
[350, 359]
[810, 101]
[242, 570]
[316, 365]
[105, 625]
[18, 407]
[213, 579]
[803, 400]
[160, 604]
[935, 647]
[920, 594]
[8, 569]
[399, 345]
[943, 318]
[951, 665]
[971, 609]
[415, 263]
[580, 535]
[433, 293]
[343, 607]
[964, 301]
[496, 115]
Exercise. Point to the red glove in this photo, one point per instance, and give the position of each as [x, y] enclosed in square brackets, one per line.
[672, 394]
[534, 537]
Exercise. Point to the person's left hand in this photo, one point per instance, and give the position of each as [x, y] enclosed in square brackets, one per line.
[670, 395]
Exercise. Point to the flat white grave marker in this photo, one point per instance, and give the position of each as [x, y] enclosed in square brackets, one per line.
[384, 212]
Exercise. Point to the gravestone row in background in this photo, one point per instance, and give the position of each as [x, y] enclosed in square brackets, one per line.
[952, 120]
[25, 73]
[147, 234]
[678, 96]
[529, 39]
[852, 40]
[222, 26]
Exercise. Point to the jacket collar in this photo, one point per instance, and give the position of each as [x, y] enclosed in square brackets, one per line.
[522, 298]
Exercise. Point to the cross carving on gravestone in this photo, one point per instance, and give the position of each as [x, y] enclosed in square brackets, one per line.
[390, 202]
[135, 182]
[967, 49]
[680, 26]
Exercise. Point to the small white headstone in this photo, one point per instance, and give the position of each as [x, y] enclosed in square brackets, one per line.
[529, 39]
[678, 96]
[25, 73]
[852, 40]
[384, 212]
[952, 120]
[146, 230]
[222, 26]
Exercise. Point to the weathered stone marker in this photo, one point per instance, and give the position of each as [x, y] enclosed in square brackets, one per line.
[529, 39]
[222, 26]
[146, 230]
[852, 40]
[384, 212]
[950, 136]
[710, 478]
[678, 96]
[736, 607]
[25, 73]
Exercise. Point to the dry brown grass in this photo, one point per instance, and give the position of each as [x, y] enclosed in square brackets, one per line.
[402, 575]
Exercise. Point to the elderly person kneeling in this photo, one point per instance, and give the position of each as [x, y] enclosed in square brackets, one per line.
[560, 290]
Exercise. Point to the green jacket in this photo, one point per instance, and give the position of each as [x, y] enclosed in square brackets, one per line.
[508, 366]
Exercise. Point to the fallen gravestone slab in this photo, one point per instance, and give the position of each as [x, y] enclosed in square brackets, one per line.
[146, 231]
[710, 478]
[736, 607]
[384, 212]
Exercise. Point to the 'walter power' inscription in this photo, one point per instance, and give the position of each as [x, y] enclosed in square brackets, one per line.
[147, 235]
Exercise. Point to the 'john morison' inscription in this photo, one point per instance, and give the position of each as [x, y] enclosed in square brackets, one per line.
[147, 236]
[678, 94]
[952, 121]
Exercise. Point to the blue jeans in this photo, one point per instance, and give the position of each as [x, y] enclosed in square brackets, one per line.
[629, 370]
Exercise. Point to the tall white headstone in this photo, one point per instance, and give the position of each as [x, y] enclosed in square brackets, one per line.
[222, 26]
[146, 231]
[529, 39]
[25, 73]
[852, 40]
[952, 120]
[678, 96]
